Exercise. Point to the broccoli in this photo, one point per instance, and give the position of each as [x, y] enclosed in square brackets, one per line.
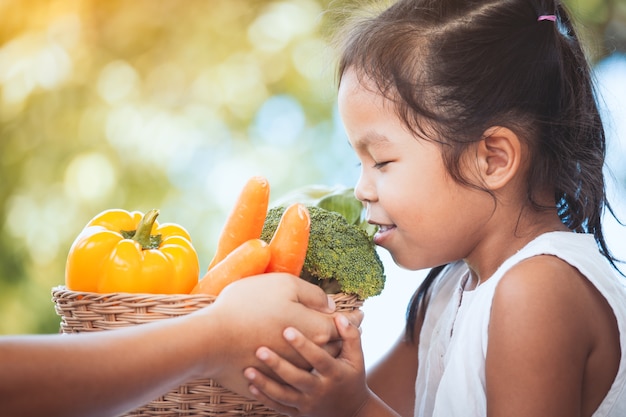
[341, 256]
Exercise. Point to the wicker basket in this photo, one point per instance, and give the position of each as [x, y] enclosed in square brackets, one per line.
[91, 312]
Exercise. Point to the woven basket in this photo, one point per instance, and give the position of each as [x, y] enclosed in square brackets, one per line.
[92, 312]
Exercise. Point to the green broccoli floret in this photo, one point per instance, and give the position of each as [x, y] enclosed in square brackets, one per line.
[341, 257]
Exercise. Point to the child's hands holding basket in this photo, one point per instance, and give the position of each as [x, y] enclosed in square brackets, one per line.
[335, 387]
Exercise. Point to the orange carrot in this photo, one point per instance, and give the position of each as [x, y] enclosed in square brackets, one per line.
[246, 220]
[249, 258]
[290, 241]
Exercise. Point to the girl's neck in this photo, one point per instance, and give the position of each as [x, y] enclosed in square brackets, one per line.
[504, 240]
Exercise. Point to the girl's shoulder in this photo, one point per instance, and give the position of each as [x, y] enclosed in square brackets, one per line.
[558, 313]
[560, 274]
[548, 285]
[565, 254]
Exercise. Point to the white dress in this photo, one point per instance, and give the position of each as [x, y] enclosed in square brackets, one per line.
[453, 340]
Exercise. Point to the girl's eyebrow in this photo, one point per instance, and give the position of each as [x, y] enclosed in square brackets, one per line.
[371, 139]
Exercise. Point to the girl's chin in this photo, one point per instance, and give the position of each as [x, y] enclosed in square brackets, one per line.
[407, 259]
[408, 264]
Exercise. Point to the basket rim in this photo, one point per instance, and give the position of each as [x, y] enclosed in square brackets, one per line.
[62, 290]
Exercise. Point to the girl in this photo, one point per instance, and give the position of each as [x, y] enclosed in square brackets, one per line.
[482, 152]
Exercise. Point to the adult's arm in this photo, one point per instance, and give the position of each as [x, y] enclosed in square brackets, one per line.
[108, 373]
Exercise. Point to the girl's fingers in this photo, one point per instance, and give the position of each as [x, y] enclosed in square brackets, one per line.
[299, 391]
[355, 317]
[351, 337]
[269, 392]
[317, 357]
[292, 375]
[264, 399]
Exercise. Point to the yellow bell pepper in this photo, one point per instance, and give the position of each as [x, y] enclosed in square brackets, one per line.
[121, 251]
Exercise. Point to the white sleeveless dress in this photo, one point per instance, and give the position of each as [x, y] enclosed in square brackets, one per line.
[453, 340]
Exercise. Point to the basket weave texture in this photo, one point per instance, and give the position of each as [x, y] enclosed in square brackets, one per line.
[92, 312]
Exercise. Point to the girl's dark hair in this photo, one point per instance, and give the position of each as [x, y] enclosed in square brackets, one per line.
[462, 66]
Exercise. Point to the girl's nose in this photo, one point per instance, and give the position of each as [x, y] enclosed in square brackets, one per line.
[364, 191]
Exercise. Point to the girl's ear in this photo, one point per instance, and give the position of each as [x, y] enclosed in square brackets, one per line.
[499, 156]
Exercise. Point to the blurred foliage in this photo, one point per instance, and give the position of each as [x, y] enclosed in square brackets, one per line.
[165, 104]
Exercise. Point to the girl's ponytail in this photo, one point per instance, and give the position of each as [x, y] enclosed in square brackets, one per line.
[577, 132]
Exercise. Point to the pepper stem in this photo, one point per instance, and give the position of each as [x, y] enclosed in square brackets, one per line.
[144, 228]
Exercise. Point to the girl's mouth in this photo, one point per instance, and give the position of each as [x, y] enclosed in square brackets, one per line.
[383, 232]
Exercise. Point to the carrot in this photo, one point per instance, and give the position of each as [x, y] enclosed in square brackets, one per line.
[246, 220]
[249, 258]
[290, 240]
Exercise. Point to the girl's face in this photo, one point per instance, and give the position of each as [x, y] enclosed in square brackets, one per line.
[425, 217]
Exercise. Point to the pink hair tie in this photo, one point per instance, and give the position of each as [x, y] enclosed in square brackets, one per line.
[550, 17]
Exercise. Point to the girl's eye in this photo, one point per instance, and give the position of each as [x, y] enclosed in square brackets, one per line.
[379, 165]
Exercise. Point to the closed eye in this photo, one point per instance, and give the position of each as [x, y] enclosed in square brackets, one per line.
[379, 165]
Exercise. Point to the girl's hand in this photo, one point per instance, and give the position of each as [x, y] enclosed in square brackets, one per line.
[335, 386]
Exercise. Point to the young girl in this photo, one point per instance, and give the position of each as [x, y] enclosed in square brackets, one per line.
[482, 152]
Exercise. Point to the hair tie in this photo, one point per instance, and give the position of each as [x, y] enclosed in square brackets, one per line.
[549, 17]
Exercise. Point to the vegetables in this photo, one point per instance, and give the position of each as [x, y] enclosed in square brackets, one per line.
[249, 258]
[341, 256]
[290, 240]
[240, 253]
[343, 201]
[284, 253]
[120, 251]
[245, 221]
[338, 248]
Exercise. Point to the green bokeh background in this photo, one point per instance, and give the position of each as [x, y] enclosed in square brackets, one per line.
[166, 104]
